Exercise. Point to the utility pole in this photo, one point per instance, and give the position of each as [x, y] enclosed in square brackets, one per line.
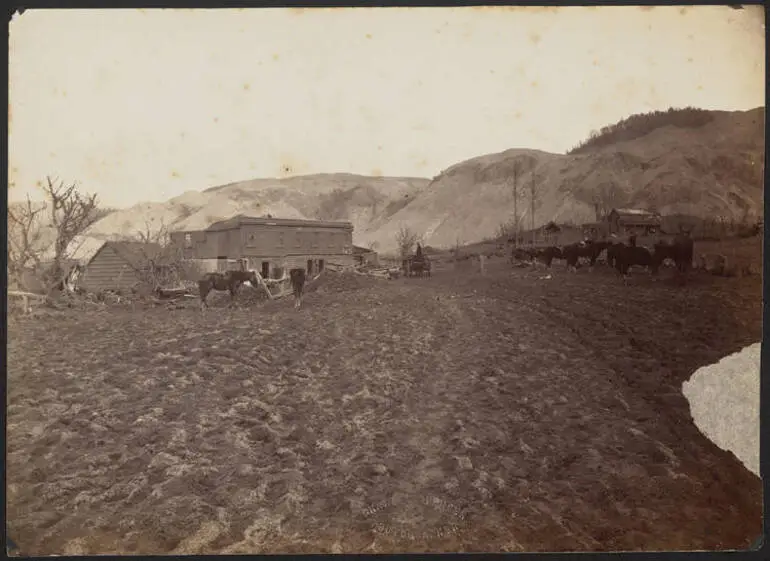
[532, 194]
[516, 173]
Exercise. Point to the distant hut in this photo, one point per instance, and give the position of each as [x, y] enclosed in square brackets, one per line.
[624, 221]
[364, 256]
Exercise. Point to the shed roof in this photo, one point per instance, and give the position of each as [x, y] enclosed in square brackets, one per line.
[241, 219]
[358, 250]
[134, 253]
[637, 216]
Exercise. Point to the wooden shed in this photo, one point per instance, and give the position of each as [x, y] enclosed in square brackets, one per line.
[633, 221]
[117, 265]
[365, 256]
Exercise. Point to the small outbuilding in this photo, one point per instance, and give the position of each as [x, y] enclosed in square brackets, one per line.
[633, 221]
[118, 265]
[364, 256]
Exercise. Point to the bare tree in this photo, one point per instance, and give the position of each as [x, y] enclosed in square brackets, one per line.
[406, 240]
[25, 239]
[72, 213]
[608, 195]
[162, 262]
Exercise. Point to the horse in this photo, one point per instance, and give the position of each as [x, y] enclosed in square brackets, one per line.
[229, 280]
[297, 277]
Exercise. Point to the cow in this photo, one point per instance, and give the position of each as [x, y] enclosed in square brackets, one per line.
[522, 254]
[297, 278]
[587, 248]
[626, 256]
[679, 250]
[548, 254]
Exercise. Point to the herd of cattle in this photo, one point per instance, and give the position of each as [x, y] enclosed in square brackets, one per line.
[621, 256]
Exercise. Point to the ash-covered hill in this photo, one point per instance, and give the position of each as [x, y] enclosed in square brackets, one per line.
[693, 162]
[713, 167]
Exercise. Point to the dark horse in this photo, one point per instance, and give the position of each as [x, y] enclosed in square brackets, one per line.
[229, 280]
[297, 277]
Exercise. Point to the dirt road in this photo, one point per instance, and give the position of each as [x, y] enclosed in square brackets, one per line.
[456, 413]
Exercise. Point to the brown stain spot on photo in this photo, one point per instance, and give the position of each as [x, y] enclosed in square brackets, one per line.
[379, 147]
[646, 8]
[683, 10]
[276, 56]
[368, 35]
[517, 115]
[535, 38]
[376, 172]
[216, 119]
[533, 83]
[689, 59]
[246, 86]
[175, 173]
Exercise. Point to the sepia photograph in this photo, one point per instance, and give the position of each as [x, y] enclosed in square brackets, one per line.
[384, 280]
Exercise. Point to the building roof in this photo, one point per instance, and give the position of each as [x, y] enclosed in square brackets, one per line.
[241, 219]
[637, 216]
[358, 250]
[134, 253]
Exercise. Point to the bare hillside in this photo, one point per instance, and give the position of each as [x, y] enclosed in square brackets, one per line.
[708, 170]
[361, 200]
[706, 167]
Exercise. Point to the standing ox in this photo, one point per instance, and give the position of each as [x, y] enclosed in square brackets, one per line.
[589, 249]
[627, 256]
[297, 278]
[548, 254]
[680, 251]
[229, 280]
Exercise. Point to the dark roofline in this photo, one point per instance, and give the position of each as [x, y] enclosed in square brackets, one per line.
[240, 220]
[360, 249]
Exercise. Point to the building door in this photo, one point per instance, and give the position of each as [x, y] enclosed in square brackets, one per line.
[265, 269]
[320, 265]
[310, 267]
[222, 263]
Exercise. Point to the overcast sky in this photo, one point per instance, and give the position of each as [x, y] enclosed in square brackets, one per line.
[141, 105]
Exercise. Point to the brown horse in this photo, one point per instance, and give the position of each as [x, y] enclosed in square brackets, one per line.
[229, 280]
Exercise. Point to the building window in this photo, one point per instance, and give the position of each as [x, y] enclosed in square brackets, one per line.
[298, 238]
[330, 237]
[315, 239]
[280, 239]
[188, 240]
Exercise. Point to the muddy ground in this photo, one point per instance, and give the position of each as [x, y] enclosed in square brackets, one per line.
[458, 413]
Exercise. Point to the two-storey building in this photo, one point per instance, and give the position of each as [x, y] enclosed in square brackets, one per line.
[270, 245]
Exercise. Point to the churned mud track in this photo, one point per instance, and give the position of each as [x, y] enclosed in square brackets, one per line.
[444, 414]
